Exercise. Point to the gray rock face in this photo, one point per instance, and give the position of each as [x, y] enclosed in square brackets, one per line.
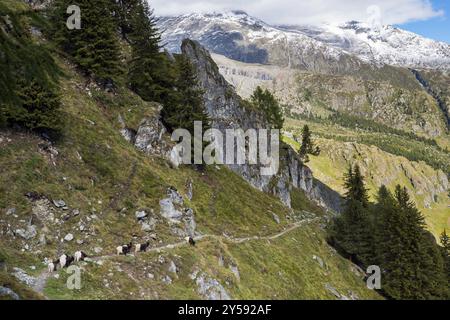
[7, 292]
[59, 203]
[209, 288]
[27, 234]
[169, 211]
[172, 267]
[140, 215]
[151, 138]
[23, 277]
[333, 290]
[150, 135]
[319, 261]
[227, 111]
[172, 208]
[276, 218]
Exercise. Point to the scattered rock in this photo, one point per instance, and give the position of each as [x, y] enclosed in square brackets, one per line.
[43, 240]
[75, 212]
[11, 211]
[166, 280]
[168, 210]
[27, 234]
[172, 267]
[33, 196]
[140, 215]
[331, 289]
[7, 292]
[276, 218]
[353, 296]
[210, 288]
[221, 262]
[147, 227]
[68, 237]
[235, 271]
[319, 261]
[189, 190]
[23, 277]
[59, 203]
[128, 134]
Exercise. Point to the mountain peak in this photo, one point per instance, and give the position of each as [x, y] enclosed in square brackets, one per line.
[230, 31]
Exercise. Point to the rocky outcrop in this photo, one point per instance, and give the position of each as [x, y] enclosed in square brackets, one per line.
[227, 111]
[151, 138]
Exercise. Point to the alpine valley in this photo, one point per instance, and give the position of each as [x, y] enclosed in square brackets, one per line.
[88, 165]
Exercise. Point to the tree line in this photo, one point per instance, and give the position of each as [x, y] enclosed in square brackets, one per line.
[391, 234]
[118, 45]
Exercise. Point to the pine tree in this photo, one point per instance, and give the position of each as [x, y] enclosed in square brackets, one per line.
[354, 184]
[151, 74]
[38, 108]
[188, 104]
[94, 48]
[412, 265]
[307, 146]
[352, 230]
[265, 101]
[445, 241]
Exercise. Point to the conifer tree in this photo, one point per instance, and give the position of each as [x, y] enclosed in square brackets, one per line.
[352, 229]
[94, 48]
[265, 101]
[151, 73]
[307, 147]
[445, 240]
[188, 104]
[38, 108]
[412, 265]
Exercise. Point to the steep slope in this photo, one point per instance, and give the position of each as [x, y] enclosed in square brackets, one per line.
[104, 180]
[428, 187]
[109, 180]
[407, 106]
[308, 94]
[228, 111]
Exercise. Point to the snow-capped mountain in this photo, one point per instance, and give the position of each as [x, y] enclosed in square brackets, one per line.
[333, 48]
[384, 44]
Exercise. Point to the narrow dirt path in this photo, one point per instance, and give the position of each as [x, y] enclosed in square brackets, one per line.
[42, 278]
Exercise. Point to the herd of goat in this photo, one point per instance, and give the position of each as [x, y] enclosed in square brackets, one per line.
[66, 260]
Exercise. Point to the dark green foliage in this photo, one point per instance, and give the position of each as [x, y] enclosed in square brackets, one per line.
[20, 57]
[307, 145]
[265, 101]
[27, 81]
[39, 108]
[94, 48]
[413, 265]
[445, 240]
[188, 104]
[151, 72]
[353, 230]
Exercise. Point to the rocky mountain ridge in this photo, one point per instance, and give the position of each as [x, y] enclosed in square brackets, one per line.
[326, 48]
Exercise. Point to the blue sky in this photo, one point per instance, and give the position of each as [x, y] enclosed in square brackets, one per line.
[437, 28]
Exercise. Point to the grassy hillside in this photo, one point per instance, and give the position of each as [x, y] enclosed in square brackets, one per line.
[342, 147]
[104, 180]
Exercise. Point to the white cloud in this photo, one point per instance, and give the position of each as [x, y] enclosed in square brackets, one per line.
[308, 11]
